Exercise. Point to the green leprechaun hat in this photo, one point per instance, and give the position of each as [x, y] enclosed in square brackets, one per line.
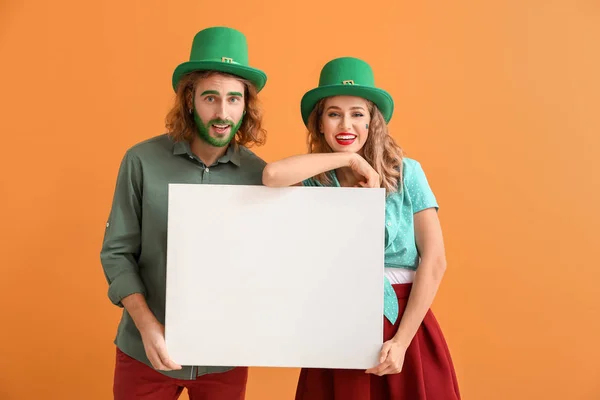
[347, 76]
[220, 49]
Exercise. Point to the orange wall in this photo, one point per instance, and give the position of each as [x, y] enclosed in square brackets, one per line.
[498, 100]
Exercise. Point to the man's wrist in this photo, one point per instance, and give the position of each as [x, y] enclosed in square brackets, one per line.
[142, 316]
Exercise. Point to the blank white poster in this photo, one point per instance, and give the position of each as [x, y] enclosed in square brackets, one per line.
[278, 277]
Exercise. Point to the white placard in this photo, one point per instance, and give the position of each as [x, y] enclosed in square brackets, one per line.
[280, 277]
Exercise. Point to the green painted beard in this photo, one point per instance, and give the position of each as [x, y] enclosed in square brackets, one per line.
[204, 134]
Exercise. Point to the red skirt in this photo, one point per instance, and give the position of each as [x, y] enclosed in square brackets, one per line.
[427, 373]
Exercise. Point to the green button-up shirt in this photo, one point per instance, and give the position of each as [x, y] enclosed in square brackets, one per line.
[134, 251]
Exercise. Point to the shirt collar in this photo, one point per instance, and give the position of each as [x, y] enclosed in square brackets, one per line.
[231, 155]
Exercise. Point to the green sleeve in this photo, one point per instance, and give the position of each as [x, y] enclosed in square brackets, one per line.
[122, 237]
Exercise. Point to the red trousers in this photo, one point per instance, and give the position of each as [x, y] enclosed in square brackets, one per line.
[135, 380]
[427, 373]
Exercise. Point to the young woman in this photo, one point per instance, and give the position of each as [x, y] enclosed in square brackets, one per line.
[349, 146]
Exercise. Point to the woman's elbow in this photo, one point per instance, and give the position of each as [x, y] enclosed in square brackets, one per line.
[269, 176]
[439, 267]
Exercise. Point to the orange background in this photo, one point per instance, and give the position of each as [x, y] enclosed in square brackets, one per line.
[499, 101]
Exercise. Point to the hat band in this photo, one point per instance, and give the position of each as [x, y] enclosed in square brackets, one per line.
[225, 60]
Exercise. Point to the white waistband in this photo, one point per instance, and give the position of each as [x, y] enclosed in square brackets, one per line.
[399, 275]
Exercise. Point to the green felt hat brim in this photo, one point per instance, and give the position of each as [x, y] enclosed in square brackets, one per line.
[380, 97]
[256, 76]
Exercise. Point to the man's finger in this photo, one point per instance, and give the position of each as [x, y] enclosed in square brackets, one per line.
[171, 364]
[155, 361]
[166, 361]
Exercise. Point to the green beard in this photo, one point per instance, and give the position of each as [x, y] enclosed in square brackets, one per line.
[204, 134]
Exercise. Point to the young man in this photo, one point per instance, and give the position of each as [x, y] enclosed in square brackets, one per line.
[214, 120]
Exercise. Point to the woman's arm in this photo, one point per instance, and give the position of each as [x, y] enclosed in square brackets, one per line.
[428, 234]
[293, 170]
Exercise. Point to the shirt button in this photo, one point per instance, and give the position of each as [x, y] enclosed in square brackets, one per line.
[389, 223]
[206, 169]
[191, 157]
[107, 224]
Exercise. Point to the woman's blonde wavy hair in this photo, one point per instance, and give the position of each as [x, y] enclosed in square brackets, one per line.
[180, 122]
[380, 150]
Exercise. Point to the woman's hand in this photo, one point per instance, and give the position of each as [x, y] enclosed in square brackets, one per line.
[391, 359]
[364, 172]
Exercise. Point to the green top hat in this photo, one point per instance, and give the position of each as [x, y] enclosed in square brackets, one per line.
[220, 49]
[347, 76]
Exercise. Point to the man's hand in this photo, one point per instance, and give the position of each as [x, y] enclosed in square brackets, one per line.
[153, 336]
[152, 331]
